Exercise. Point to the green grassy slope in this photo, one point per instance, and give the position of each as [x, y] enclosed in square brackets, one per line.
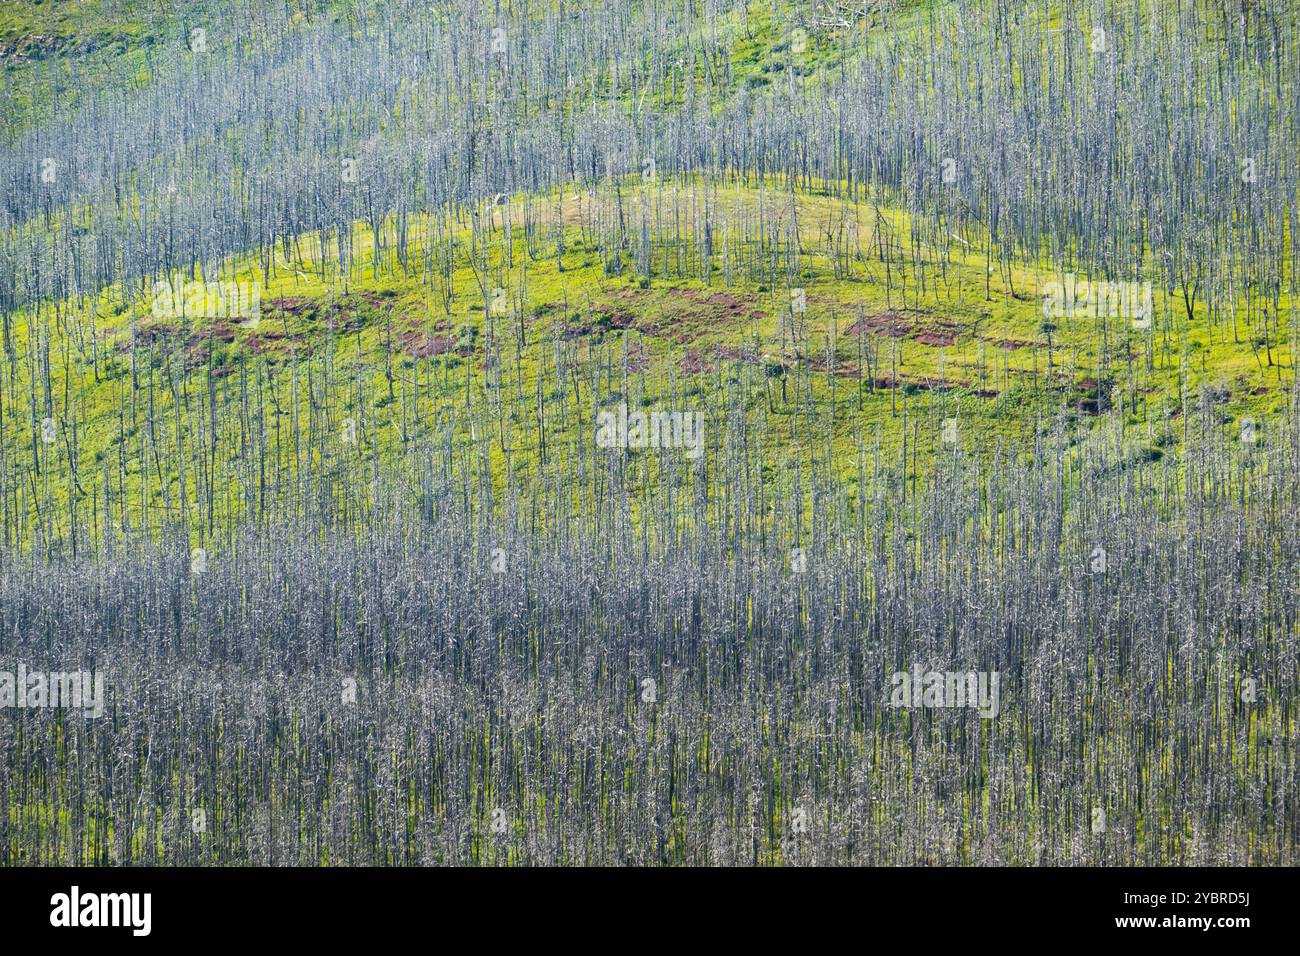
[373, 366]
[55, 52]
[103, 396]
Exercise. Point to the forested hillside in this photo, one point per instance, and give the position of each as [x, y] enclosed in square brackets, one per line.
[576, 414]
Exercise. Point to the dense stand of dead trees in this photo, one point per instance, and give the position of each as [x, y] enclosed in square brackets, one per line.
[658, 679]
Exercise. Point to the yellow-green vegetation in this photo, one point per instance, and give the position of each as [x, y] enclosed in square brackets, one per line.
[54, 54]
[323, 343]
[860, 346]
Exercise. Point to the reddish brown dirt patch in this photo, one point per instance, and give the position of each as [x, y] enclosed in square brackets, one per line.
[694, 362]
[1093, 398]
[683, 314]
[420, 345]
[1011, 344]
[292, 304]
[221, 331]
[937, 338]
[147, 335]
[746, 354]
[886, 323]
[343, 320]
[637, 361]
[940, 334]
[607, 318]
[720, 300]
[256, 344]
[821, 363]
[276, 344]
